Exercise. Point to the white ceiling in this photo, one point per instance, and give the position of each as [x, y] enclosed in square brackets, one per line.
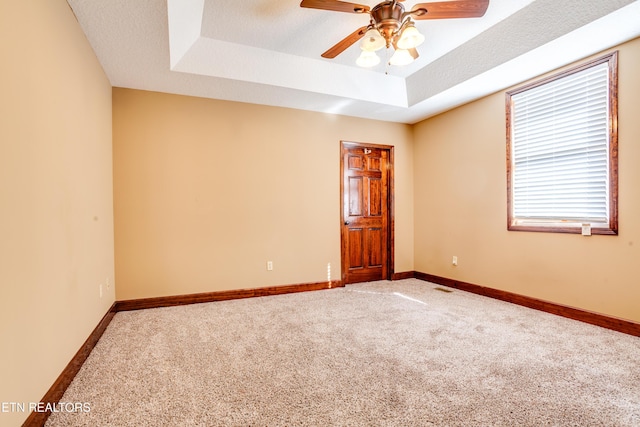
[268, 51]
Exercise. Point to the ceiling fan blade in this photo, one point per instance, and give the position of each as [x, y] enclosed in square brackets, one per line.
[339, 47]
[338, 6]
[450, 9]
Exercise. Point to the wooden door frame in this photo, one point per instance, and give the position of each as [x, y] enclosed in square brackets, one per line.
[390, 204]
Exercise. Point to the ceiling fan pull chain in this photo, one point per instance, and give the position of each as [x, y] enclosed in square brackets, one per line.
[387, 62]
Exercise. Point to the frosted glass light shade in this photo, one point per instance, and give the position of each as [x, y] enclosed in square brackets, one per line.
[410, 38]
[372, 40]
[367, 59]
[401, 57]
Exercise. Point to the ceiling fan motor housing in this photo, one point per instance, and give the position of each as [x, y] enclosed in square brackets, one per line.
[388, 18]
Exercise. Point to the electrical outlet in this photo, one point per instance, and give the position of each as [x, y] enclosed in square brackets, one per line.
[454, 261]
[269, 265]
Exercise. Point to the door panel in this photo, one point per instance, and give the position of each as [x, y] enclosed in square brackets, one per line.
[366, 231]
[356, 248]
[356, 196]
[374, 164]
[355, 162]
[375, 197]
[375, 247]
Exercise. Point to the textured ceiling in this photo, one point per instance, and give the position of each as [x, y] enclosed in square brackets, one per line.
[268, 51]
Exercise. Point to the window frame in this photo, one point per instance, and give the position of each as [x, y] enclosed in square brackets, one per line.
[571, 226]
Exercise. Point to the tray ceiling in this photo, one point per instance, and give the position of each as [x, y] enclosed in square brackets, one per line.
[268, 52]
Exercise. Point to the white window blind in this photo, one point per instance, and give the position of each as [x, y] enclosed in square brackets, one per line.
[560, 149]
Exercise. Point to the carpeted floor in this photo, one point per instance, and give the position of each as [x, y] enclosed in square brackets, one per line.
[376, 354]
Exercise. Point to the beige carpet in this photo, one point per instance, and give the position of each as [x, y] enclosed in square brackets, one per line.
[376, 354]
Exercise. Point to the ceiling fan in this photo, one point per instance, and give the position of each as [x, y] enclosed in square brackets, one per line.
[390, 25]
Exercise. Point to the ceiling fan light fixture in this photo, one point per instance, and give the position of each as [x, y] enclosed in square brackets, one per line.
[372, 40]
[401, 57]
[410, 37]
[367, 59]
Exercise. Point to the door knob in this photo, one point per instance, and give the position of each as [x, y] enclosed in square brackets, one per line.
[346, 223]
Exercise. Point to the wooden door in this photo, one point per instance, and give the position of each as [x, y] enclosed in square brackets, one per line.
[366, 224]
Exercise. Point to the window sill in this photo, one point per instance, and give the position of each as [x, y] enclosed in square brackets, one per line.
[569, 229]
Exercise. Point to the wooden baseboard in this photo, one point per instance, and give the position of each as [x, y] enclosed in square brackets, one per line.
[621, 325]
[143, 303]
[58, 388]
[403, 275]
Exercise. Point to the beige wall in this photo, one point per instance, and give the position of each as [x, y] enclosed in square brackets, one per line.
[207, 191]
[460, 209]
[56, 212]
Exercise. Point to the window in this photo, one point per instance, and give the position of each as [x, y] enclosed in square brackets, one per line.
[562, 151]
